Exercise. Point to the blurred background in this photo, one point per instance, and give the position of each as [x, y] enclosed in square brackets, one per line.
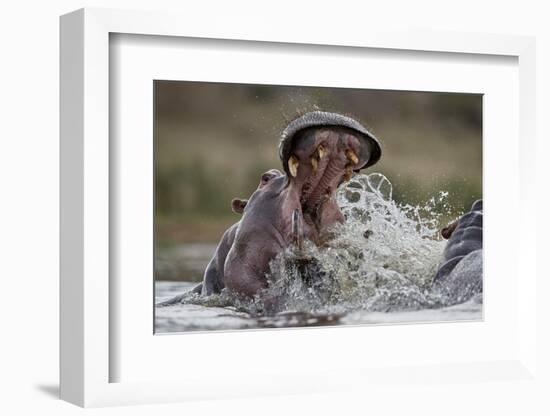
[214, 140]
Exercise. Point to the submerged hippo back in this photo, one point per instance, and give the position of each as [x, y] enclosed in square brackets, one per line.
[467, 237]
[459, 276]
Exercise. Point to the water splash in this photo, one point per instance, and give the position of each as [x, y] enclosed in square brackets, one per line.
[383, 258]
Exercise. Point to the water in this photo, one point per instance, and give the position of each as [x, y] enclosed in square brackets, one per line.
[183, 262]
[377, 268]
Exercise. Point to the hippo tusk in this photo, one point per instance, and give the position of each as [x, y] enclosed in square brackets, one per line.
[297, 229]
[293, 165]
[350, 154]
[314, 164]
[349, 173]
[321, 151]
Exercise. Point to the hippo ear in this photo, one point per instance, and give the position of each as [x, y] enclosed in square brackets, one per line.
[477, 205]
[237, 205]
[448, 231]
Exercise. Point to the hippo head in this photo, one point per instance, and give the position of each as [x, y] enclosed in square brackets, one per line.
[319, 151]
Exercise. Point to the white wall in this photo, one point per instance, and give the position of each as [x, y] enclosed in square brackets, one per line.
[29, 208]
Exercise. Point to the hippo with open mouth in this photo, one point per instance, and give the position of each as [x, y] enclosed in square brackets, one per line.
[319, 151]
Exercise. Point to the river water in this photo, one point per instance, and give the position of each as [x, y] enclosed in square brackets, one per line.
[378, 269]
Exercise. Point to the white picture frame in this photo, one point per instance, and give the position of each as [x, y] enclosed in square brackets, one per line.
[87, 355]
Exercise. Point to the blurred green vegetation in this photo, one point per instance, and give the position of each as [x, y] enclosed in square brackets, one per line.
[214, 140]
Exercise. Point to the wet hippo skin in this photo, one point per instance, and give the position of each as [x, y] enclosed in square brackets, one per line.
[460, 274]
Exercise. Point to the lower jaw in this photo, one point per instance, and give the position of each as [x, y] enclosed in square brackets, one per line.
[316, 222]
[317, 232]
[311, 231]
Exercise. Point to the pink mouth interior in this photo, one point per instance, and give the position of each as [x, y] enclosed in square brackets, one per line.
[316, 187]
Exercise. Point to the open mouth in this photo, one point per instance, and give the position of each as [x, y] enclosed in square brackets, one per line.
[320, 151]
[321, 159]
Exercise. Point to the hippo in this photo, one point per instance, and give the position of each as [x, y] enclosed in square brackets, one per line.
[318, 151]
[460, 275]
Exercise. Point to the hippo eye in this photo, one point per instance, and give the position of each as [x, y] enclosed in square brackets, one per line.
[266, 178]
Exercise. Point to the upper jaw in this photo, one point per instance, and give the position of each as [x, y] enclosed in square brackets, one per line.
[370, 150]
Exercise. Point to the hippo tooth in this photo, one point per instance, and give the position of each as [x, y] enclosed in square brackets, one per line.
[348, 174]
[297, 229]
[314, 163]
[352, 156]
[321, 151]
[293, 165]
